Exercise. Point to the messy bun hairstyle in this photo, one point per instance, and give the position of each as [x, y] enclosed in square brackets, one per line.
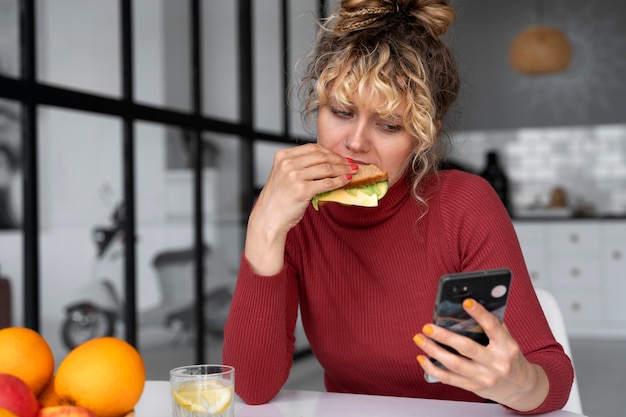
[395, 48]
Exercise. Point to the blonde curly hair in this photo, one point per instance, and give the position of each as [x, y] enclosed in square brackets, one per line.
[393, 47]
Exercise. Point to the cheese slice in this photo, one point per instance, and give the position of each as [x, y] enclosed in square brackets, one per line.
[343, 197]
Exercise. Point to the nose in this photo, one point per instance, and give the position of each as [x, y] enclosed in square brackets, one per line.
[357, 140]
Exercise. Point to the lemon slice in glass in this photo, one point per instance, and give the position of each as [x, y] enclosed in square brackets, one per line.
[210, 397]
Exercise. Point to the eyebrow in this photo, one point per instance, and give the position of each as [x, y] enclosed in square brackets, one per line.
[332, 101]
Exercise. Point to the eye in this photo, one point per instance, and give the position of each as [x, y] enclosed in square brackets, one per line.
[339, 112]
[391, 126]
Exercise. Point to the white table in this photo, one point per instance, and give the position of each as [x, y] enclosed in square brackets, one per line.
[155, 402]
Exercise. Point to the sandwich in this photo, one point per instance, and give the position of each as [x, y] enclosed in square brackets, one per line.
[369, 184]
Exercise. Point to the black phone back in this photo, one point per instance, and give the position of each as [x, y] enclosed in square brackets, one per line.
[490, 288]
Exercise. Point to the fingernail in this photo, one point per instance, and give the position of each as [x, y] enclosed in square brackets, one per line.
[349, 160]
[354, 167]
[421, 359]
[468, 303]
[348, 176]
[428, 329]
[419, 340]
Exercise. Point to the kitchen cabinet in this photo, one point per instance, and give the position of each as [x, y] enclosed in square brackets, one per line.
[614, 260]
[583, 263]
[532, 238]
[575, 272]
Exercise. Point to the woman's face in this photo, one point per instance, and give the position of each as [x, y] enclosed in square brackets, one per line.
[361, 133]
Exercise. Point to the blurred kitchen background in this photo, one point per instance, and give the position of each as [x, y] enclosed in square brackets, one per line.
[560, 140]
[588, 163]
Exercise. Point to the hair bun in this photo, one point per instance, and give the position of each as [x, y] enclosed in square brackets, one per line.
[435, 16]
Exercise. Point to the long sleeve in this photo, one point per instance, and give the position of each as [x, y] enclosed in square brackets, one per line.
[259, 334]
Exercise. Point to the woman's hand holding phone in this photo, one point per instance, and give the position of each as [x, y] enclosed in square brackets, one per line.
[498, 371]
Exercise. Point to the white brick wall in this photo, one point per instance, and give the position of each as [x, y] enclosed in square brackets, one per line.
[589, 162]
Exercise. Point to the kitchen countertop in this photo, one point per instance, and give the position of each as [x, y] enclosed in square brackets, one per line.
[566, 218]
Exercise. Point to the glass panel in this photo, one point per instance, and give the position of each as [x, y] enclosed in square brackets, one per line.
[11, 238]
[224, 231]
[264, 158]
[79, 45]
[9, 38]
[10, 166]
[268, 81]
[165, 229]
[227, 220]
[220, 60]
[162, 53]
[81, 247]
[164, 255]
[303, 30]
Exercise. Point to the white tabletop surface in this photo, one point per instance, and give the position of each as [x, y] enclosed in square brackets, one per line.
[155, 402]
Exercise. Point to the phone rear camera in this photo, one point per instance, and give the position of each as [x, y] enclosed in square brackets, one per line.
[460, 290]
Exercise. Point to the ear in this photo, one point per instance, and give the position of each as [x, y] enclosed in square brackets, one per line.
[438, 124]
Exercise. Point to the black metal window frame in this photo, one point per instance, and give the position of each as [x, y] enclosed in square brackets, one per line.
[32, 94]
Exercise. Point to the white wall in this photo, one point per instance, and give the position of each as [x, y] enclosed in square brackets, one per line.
[587, 162]
[592, 91]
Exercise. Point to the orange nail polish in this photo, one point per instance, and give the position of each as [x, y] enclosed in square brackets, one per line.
[419, 340]
[421, 359]
[428, 329]
[468, 303]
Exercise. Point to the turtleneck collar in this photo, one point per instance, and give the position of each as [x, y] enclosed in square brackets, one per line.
[361, 217]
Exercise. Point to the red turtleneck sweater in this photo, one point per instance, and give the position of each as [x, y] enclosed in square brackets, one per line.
[365, 280]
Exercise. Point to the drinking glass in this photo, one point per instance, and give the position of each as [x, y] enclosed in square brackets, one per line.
[203, 391]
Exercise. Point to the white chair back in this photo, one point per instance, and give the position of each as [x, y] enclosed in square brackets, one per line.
[555, 319]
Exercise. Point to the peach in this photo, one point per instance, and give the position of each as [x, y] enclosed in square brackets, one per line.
[65, 411]
[17, 397]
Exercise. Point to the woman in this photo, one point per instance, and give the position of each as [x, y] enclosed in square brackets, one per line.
[380, 81]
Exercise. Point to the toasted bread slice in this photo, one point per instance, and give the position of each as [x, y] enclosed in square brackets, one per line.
[366, 175]
[368, 185]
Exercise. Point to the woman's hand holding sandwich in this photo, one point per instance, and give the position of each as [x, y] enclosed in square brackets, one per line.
[297, 174]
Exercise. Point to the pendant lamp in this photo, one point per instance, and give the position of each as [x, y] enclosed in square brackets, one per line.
[540, 49]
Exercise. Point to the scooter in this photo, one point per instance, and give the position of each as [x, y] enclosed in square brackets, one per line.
[99, 306]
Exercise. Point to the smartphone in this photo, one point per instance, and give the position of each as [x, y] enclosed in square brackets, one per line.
[489, 288]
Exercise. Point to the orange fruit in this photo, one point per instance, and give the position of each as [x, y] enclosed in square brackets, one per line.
[48, 396]
[26, 354]
[105, 375]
